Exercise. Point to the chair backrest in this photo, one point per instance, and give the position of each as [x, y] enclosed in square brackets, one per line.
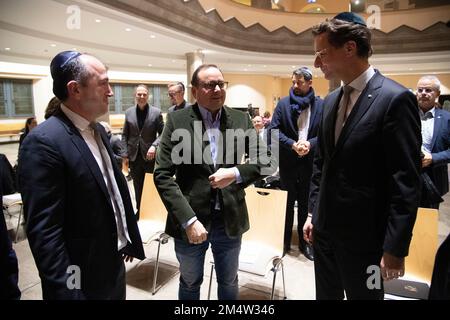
[424, 243]
[264, 241]
[152, 207]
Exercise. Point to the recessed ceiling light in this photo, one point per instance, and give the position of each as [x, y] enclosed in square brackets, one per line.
[7, 49]
[411, 69]
[293, 67]
[98, 20]
[357, 2]
[149, 65]
[318, 9]
[173, 61]
[152, 36]
[245, 69]
[74, 49]
[249, 65]
[53, 45]
[128, 29]
[264, 66]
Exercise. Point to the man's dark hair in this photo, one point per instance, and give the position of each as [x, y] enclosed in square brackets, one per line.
[180, 84]
[194, 80]
[72, 70]
[340, 31]
[53, 107]
[304, 72]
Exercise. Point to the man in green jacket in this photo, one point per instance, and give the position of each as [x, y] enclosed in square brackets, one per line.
[201, 179]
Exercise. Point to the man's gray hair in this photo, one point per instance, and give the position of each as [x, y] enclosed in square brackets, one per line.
[434, 80]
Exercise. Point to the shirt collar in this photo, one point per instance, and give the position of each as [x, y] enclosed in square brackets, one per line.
[361, 81]
[432, 110]
[207, 115]
[78, 121]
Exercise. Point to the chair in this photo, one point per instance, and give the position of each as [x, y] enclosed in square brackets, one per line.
[152, 221]
[420, 261]
[10, 201]
[262, 245]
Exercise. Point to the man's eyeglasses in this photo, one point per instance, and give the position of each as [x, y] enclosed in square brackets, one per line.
[213, 84]
[321, 54]
[172, 94]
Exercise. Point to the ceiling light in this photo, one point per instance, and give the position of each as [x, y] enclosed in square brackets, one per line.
[74, 49]
[149, 65]
[245, 69]
[53, 45]
[357, 2]
[152, 36]
[264, 66]
[249, 65]
[293, 67]
[127, 29]
[173, 61]
[7, 49]
[98, 20]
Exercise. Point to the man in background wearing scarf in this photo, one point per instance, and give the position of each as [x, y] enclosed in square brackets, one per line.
[297, 117]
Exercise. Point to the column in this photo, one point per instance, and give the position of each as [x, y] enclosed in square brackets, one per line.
[193, 61]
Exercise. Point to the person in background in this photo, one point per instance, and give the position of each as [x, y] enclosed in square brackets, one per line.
[435, 142]
[176, 96]
[297, 117]
[267, 117]
[116, 144]
[54, 106]
[141, 131]
[9, 268]
[30, 124]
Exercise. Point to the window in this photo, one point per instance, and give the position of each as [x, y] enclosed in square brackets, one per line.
[16, 98]
[124, 97]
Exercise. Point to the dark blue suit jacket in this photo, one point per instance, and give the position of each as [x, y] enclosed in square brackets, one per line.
[286, 123]
[440, 151]
[70, 217]
[365, 189]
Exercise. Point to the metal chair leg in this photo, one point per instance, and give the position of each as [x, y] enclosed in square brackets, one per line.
[273, 282]
[284, 284]
[210, 280]
[155, 272]
[18, 223]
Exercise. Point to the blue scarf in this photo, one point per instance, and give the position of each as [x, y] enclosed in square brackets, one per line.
[298, 103]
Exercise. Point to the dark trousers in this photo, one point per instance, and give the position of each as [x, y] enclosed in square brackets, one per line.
[138, 169]
[440, 282]
[339, 269]
[298, 190]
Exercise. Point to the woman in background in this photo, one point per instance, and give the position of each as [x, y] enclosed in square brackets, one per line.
[30, 123]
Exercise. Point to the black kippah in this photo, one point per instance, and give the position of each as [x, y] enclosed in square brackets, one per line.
[351, 17]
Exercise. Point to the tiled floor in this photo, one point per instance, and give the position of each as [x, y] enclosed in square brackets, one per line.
[299, 272]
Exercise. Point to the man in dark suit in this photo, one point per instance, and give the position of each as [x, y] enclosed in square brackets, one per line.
[140, 136]
[365, 188]
[435, 141]
[176, 96]
[81, 224]
[206, 199]
[297, 118]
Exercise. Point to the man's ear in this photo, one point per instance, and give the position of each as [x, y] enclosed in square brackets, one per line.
[194, 92]
[72, 88]
[350, 48]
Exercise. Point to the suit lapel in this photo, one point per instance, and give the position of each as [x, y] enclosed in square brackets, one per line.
[437, 126]
[85, 153]
[330, 118]
[365, 100]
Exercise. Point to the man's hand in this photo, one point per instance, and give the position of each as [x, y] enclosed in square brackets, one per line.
[392, 267]
[308, 231]
[196, 232]
[222, 178]
[303, 147]
[151, 153]
[127, 258]
[427, 159]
